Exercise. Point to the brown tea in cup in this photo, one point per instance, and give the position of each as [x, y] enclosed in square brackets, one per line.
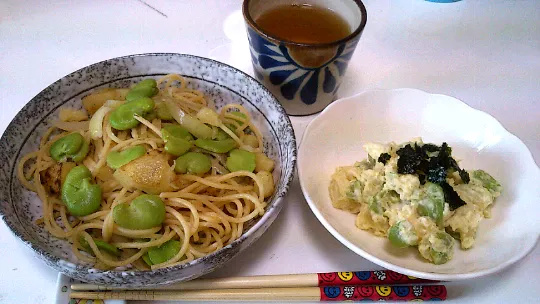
[303, 23]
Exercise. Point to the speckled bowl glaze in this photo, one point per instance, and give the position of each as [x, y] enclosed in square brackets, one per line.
[221, 83]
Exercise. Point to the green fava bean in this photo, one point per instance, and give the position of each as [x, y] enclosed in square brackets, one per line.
[145, 88]
[80, 196]
[402, 234]
[79, 156]
[150, 115]
[163, 112]
[374, 205]
[146, 259]
[117, 159]
[101, 245]
[144, 212]
[441, 247]
[177, 146]
[216, 146]
[487, 181]
[177, 140]
[433, 204]
[67, 146]
[176, 131]
[192, 163]
[146, 83]
[163, 253]
[241, 160]
[123, 117]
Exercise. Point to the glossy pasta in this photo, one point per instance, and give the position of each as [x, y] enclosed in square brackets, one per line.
[155, 206]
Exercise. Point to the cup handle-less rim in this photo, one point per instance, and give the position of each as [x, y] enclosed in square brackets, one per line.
[356, 32]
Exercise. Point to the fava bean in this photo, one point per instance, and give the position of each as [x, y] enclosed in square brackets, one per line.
[487, 181]
[177, 131]
[162, 112]
[163, 253]
[146, 259]
[101, 245]
[433, 204]
[79, 194]
[144, 212]
[437, 247]
[123, 117]
[66, 147]
[216, 146]
[192, 163]
[177, 140]
[374, 205]
[402, 234]
[150, 115]
[241, 160]
[145, 88]
[177, 146]
[145, 83]
[117, 159]
[81, 155]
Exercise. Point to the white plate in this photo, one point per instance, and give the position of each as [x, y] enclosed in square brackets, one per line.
[335, 138]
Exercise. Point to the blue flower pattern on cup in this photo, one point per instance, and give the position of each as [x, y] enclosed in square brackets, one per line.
[293, 78]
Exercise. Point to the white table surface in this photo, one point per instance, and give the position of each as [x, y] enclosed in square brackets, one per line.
[486, 53]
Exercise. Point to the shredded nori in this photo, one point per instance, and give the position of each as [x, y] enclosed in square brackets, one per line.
[451, 197]
[432, 163]
[383, 158]
[410, 159]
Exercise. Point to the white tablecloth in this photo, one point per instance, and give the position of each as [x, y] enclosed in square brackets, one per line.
[486, 53]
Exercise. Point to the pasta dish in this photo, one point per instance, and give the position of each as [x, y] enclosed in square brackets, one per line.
[150, 176]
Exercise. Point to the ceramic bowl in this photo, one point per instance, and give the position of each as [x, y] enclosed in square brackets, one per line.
[335, 138]
[221, 83]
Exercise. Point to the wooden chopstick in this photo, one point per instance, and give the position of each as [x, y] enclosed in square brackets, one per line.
[377, 277]
[267, 281]
[301, 293]
[355, 293]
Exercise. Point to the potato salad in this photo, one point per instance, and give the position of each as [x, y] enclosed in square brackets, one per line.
[415, 194]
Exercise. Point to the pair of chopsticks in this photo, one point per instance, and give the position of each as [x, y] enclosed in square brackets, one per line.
[334, 286]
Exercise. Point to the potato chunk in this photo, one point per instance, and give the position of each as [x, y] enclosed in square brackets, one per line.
[150, 173]
[95, 100]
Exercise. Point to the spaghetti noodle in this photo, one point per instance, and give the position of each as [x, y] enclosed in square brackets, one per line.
[203, 211]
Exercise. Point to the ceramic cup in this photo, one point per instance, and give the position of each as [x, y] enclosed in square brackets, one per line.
[304, 77]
